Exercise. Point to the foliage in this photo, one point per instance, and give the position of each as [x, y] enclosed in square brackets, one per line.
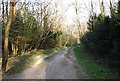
[104, 38]
[105, 34]
[25, 33]
[21, 33]
[52, 39]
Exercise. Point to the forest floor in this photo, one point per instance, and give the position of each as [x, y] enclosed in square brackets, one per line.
[60, 65]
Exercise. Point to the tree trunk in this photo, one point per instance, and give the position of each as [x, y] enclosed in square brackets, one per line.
[111, 9]
[14, 49]
[3, 11]
[119, 6]
[102, 9]
[6, 51]
[7, 8]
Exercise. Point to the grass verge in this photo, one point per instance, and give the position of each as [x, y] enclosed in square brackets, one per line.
[49, 58]
[49, 51]
[69, 50]
[92, 68]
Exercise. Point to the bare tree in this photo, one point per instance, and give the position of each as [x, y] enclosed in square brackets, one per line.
[102, 8]
[78, 21]
[6, 8]
[3, 11]
[111, 8]
[119, 6]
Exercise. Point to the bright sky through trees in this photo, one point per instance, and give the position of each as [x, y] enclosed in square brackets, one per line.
[69, 5]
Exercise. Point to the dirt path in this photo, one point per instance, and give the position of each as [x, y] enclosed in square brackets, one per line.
[58, 67]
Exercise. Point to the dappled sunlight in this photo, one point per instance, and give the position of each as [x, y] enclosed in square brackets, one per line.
[70, 61]
[72, 57]
[39, 59]
[64, 55]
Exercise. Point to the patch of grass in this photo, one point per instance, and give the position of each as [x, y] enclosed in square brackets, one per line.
[93, 69]
[49, 51]
[68, 51]
[49, 58]
[24, 62]
[58, 48]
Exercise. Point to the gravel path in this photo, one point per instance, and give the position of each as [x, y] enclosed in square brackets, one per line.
[58, 67]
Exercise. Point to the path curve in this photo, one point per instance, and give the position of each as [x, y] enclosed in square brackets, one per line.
[59, 67]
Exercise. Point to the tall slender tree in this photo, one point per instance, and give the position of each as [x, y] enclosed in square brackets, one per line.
[102, 9]
[78, 21]
[7, 28]
[3, 11]
[119, 6]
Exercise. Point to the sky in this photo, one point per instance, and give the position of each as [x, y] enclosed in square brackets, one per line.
[84, 9]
